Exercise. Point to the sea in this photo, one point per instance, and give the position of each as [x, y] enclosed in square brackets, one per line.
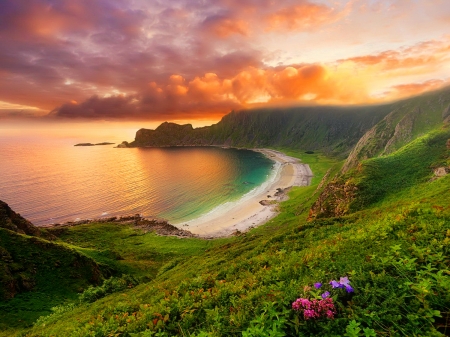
[47, 179]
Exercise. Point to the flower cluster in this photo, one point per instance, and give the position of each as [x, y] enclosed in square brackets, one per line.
[315, 308]
[343, 283]
[322, 305]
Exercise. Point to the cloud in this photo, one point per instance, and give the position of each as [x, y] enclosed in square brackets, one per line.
[211, 95]
[410, 89]
[223, 27]
[303, 16]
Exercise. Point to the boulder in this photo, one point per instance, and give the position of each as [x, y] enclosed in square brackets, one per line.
[441, 171]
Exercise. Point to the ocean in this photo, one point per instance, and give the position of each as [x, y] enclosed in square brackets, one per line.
[48, 180]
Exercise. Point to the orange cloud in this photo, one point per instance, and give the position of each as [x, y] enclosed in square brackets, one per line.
[410, 89]
[301, 17]
[425, 54]
[224, 27]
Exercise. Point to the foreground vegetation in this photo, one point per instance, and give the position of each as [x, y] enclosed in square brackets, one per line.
[392, 249]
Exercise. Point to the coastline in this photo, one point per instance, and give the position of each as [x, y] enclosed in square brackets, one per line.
[248, 212]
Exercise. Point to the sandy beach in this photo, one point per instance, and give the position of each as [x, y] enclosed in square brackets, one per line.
[249, 212]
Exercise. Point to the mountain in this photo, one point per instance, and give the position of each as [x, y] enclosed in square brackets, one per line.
[333, 130]
[361, 131]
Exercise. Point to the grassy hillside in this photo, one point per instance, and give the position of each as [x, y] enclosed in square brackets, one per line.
[37, 275]
[377, 178]
[409, 119]
[395, 255]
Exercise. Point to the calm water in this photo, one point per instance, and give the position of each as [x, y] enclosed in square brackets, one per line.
[48, 180]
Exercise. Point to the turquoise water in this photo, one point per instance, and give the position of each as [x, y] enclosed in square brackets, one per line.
[48, 180]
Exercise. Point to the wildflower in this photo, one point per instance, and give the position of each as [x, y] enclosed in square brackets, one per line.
[305, 303]
[310, 314]
[335, 284]
[344, 281]
[325, 294]
[317, 285]
[349, 288]
[330, 314]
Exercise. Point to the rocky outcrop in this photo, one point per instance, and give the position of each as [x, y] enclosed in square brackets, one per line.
[14, 222]
[167, 134]
[441, 171]
[162, 227]
[334, 201]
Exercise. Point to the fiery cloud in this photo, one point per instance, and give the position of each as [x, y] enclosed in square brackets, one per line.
[304, 16]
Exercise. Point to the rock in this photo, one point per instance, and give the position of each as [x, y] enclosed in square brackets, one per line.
[266, 202]
[448, 144]
[162, 227]
[441, 171]
[14, 222]
[122, 145]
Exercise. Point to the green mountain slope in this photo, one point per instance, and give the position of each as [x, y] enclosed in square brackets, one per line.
[407, 120]
[37, 274]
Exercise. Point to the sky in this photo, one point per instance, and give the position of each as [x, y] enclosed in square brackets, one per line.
[196, 60]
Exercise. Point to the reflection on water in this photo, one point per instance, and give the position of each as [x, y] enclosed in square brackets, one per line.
[49, 180]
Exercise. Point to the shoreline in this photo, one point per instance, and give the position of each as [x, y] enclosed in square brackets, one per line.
[258, 206]
[252, 210]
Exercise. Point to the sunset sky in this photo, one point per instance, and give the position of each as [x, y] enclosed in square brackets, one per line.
[196, 60]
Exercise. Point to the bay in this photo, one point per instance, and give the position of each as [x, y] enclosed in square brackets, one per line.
[48, 180]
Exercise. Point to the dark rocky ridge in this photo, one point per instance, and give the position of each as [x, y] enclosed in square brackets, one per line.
[15, 222]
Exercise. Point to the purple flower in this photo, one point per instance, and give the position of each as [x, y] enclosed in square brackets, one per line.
[335, 284]
[317, 285]
[325, 294]
[349, 288]
[344, 281]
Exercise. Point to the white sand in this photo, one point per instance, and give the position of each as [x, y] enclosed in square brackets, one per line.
[248, 212]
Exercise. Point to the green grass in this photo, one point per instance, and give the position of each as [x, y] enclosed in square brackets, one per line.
[411, 165]
[132, 251]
